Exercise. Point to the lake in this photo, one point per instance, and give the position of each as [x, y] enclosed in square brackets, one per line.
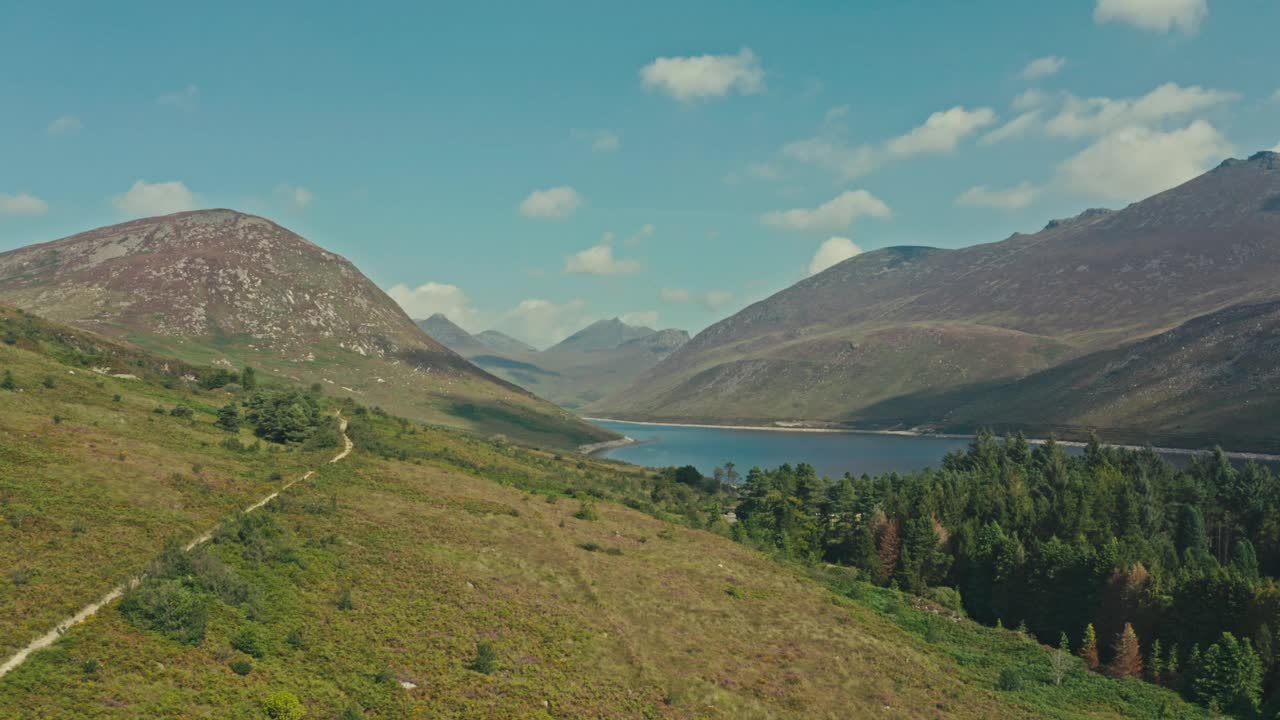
[832, 454]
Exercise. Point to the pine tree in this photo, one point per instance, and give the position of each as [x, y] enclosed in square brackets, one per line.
[248, 379]
[1155, 663]
[1230, 676]
[6, 382]
[1060, 661]
[1089, 647]
[1127, 660]
[889, 546]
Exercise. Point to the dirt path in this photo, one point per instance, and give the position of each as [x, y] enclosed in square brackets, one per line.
[87, 611]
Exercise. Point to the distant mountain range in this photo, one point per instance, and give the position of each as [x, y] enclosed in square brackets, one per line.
[603, 357]
[1147, 323]
[225, 288]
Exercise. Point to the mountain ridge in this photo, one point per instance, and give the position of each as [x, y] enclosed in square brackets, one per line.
[899, 323]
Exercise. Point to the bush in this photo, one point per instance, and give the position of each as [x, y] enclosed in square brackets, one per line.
[589, 546]
[283, 705]
[946, 597]
[241, 667]
[585, 512]
[228, 418]
[6, 381]
[168, 607]
[248, 642]
[49, 382]
[345, 602]
[181, 411]
[485, 659]
[1008, 681]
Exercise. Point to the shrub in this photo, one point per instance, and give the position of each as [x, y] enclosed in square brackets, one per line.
[49, 382]
[1008, 681]
[345, 602]
[241, 667]
[181, 411]
[485, 659]
[589, 546]
[946, 597]
[585, 512]
[6, 381]
[283, 705]
[115, 398]
[228, 418]
[248, 642]
[89, 666]
[351, 713]
[295, 640]
[168, 607]
[57, 419]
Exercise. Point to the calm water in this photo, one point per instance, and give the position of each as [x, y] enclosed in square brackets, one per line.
[832, 454]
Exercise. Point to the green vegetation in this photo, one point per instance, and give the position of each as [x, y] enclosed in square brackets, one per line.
[442, 543]
[1177, 566]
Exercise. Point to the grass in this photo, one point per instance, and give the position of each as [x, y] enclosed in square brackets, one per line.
[432, 558]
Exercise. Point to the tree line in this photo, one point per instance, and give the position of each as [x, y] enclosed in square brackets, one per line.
[1140, 567]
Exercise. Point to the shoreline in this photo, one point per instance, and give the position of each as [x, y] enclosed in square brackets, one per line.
[800, 428]
[594, 448]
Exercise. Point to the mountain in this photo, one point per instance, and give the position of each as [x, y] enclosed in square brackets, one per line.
[600, 335]
[447, 333]
[1212, 380]
[884, 337]
[369, 587]
[222, 287]
[503, 343]
[600, 359]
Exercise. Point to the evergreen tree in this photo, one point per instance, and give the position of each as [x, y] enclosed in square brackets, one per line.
[1155, 662]
[1089, 647]
[1127, 658]
[1230, 676]
[6, 381]
[249, 379]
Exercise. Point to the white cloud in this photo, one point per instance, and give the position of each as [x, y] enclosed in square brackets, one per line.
[599, 260]
[185, 99]
[65, 125]
[704, 76]
[1015, 128]
[1155, 15]
[675, 296]
[1081, 117]
[835, 214]
[1018, 196]
[646, 318]
[1135, 162]
[556, 202]
[145, 199]
[426, 300]
[297, 196]
[942, 131]
[844, 161]
[831, 251]
[22, 204]
[716, 299]
[543, 323]
[1043, 67]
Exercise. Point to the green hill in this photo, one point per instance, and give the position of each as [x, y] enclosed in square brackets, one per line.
[429, 574]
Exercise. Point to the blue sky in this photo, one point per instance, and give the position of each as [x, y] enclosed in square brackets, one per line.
[535, 166]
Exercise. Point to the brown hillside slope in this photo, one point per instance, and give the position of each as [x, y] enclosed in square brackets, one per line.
[222, 287]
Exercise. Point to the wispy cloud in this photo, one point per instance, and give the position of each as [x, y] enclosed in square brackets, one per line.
[704, 76]
[187, 98]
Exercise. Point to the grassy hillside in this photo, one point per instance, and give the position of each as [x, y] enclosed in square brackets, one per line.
[496, 580]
